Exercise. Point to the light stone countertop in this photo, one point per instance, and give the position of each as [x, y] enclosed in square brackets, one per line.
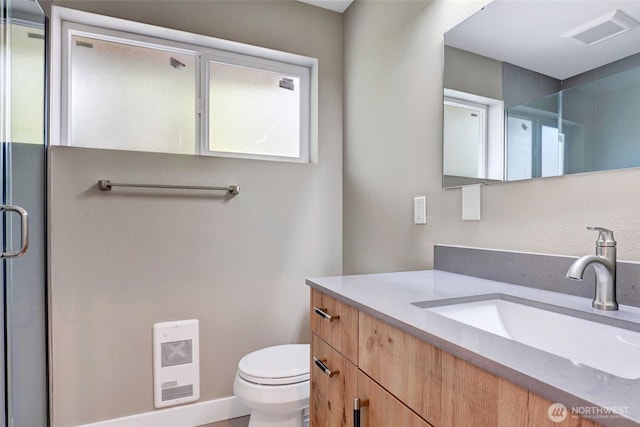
[388, 297]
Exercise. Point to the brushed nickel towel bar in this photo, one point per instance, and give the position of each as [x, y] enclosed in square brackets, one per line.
[106, 185]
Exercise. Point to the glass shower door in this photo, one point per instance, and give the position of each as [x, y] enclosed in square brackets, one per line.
[23, 345]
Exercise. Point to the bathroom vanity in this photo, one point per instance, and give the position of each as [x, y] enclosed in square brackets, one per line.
[336, 380]
[409, 366]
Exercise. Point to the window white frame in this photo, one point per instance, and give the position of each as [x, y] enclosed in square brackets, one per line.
[65, 22]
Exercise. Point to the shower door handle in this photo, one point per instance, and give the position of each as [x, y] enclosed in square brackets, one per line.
[24, 230]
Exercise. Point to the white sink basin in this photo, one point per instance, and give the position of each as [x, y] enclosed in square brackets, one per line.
[605, 347]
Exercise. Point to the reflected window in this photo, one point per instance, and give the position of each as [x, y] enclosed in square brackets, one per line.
[465, 133]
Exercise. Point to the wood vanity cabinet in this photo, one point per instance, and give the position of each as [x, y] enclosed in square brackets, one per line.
[407, 382]
[334, 354]
[335, 378]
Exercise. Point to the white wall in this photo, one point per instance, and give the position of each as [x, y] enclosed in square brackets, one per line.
[122, 261]
[393, 111]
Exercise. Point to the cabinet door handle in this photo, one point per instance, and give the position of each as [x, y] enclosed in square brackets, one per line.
[357, 404]
[322, 312]
[325, 370]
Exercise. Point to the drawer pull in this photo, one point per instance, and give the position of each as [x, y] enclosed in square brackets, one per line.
[325, 370]
[322, 312]
[357, 404]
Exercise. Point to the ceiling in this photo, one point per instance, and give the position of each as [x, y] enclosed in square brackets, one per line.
[335, 5]
[529, 34]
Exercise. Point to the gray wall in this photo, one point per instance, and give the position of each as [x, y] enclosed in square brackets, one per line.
[624, 64]
[393, 130]
[122, 261]
[521, 86]
[471, 73]
[393, 152]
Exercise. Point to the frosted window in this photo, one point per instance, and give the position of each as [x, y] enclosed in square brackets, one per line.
[131, 97]
[27, 84]
[153, 89]
[253, 111]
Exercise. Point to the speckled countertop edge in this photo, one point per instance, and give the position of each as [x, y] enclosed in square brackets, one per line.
[388, 297]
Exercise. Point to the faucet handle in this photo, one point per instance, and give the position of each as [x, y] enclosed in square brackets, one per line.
[605, 236]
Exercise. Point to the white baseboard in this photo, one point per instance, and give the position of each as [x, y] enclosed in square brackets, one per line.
[189, 415]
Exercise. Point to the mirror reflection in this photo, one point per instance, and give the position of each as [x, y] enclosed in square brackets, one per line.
[559, 84]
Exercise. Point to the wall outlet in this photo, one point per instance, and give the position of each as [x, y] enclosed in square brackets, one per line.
[420, 210]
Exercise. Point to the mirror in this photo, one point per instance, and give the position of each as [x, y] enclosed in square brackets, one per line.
[541, 88]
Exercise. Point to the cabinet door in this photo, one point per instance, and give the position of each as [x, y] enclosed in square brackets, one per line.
[331, 396]
[446, 390]
[383, 410]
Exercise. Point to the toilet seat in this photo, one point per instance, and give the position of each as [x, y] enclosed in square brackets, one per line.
[277, 365]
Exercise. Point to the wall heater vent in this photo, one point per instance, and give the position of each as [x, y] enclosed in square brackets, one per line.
[176, 363]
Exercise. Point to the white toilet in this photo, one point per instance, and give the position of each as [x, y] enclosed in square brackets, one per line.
[274, 384]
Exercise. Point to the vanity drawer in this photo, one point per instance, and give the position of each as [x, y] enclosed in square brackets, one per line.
[334, 382]
[336, 323]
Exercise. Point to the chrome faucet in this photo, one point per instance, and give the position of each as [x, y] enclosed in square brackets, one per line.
[604, 264]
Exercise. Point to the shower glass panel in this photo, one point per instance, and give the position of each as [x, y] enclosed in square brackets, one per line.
[609, 130]
[23, 349]
[130, 97]
[589, 127]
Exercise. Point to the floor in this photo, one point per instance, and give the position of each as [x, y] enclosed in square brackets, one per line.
[236, 422]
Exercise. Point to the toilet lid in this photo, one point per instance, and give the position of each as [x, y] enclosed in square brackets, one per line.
[278, 365]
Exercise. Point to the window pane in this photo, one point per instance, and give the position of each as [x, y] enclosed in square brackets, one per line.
[253, 111]
[27, 84]
[132, 98]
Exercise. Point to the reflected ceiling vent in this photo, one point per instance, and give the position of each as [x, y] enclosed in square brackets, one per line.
[602, 28]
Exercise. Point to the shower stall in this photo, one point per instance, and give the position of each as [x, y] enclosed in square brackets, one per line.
[23, 300]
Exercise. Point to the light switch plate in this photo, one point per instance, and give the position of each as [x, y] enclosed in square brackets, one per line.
[420, 210]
